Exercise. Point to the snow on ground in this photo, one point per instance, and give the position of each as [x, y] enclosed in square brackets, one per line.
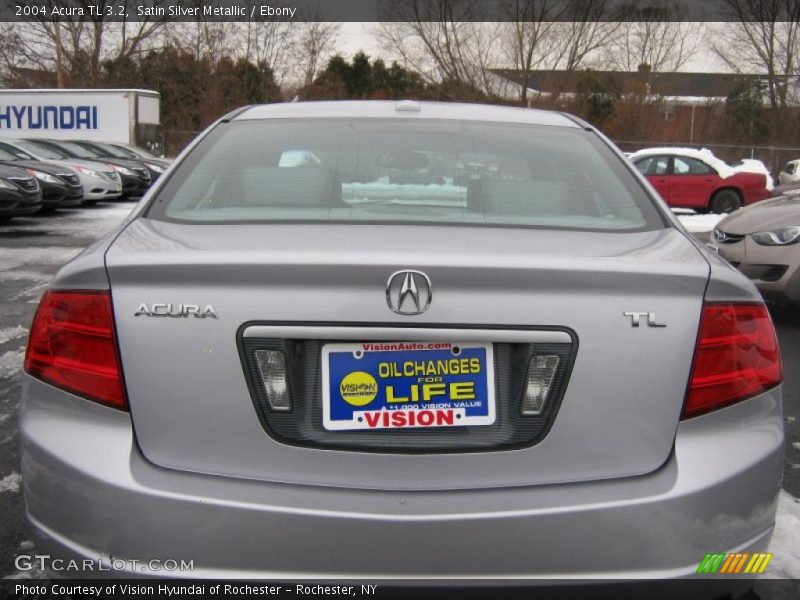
[11, 362]
[786, 542]
[10, 483]
[697, 223]
[11, 258]
[12, 333]
[24, 276]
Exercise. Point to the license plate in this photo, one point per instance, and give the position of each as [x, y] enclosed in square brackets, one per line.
[400, 385]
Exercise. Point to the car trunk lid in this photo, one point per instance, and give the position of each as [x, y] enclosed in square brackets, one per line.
[188, 387]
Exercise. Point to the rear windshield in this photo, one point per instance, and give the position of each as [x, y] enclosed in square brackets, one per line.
[392, 171]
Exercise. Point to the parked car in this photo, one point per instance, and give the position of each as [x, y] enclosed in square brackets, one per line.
[61, 186]
[20, 193]
[154, 167]
[134, 176]
[139, 152]
[291, 381]
[790, 173]
[781, 190]
[689, 178]
[763, 242]
[100, 182]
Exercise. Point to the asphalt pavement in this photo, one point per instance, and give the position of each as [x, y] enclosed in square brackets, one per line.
[33, 248]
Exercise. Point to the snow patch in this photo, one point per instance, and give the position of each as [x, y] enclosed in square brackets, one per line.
[785, 544]
[11, 363]
[34, 291]
[12, 333]
[24, 276]
[11, 483]
[12, 258]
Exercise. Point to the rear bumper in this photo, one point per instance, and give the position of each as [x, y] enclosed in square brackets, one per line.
[756, 195]
[91, 495]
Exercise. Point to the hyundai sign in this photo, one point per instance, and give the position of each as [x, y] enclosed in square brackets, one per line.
[100, 115]
[47, 117]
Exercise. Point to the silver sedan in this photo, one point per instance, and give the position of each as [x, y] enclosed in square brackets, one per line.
[379, 339]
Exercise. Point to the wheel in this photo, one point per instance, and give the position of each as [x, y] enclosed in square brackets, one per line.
[726, 201]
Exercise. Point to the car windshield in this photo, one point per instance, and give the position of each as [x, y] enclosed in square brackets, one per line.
[406, 171]
[114, 151]
[5, 155]
[79, 151]
[135, 151]
[42, 151]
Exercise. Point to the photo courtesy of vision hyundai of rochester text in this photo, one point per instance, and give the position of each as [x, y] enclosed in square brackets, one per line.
[442, 333]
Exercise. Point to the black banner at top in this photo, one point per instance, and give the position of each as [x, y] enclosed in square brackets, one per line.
[398, 10]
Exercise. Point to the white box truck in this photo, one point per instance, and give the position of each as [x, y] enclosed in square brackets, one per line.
[126, 116]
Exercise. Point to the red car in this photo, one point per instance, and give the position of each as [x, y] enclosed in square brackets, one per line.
[688, 178]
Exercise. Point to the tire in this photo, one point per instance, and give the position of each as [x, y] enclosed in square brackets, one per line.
[726, 201]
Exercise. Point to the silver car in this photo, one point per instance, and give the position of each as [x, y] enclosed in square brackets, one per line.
[454, 340]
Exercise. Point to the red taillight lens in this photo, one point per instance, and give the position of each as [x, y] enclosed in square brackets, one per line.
[72, 346]
[737, 357]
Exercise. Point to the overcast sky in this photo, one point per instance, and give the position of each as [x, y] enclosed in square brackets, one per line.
[358, 36]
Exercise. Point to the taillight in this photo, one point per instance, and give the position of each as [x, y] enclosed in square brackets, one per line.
[72, 346]
[736, 357]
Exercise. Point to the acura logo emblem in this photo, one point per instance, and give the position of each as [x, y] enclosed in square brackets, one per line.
[409, 292]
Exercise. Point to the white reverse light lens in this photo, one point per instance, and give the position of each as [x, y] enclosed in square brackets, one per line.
[778, 237]
[272, 367]
[541, 373]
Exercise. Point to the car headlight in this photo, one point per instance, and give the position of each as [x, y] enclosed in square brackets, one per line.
[42, 176]
[156, 168]
[778, 237]
[89, 172]
[7, 185]
[125, 171]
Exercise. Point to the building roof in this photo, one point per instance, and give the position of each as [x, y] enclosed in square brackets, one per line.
[698, 85]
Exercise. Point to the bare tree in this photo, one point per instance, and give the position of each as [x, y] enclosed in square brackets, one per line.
[654, 35]
[555, 34]
[530, 37]
[763, 37]
[587, 28]
[267, 42]
[313, 42]
[74, 49]
[444, 40]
